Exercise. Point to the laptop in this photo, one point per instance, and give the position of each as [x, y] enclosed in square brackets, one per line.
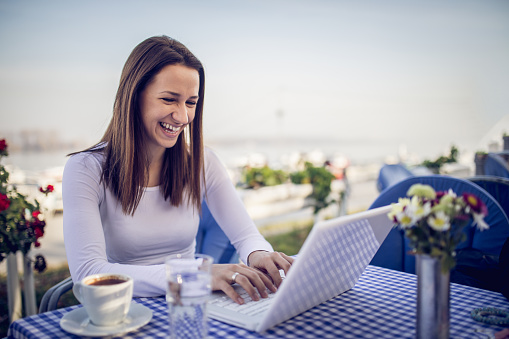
[331, 260]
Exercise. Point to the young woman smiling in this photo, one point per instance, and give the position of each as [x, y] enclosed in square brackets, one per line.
[135, 197]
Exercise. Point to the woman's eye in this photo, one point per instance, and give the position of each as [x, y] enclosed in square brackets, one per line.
[191, 103]
[168, 99]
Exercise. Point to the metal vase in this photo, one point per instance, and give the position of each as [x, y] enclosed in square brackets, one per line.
[433, 290]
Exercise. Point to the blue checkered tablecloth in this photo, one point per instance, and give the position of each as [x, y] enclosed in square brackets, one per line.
[381, 305]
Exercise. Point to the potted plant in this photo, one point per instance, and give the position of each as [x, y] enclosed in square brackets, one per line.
[21, 226]
[320, 178]
[436, 165]
[434, 222]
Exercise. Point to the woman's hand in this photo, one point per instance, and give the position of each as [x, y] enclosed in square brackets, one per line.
[270, 263]
[253, 281]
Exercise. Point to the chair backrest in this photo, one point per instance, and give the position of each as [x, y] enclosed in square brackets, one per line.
[393, 252]
[213, 241]
[496, 165]
[497, 187]
[390, 174]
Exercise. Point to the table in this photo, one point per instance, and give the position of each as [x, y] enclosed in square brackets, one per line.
[381, 305]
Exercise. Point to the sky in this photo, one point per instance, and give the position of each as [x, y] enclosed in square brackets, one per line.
[428, 74]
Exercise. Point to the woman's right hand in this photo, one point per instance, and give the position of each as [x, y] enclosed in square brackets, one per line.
[252, 280]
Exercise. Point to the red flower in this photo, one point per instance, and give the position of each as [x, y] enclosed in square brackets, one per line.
[48, 189]
[475, 203]
[35, 214]
[37, 244]
[4, 202]
[3, 145]
[38, 232]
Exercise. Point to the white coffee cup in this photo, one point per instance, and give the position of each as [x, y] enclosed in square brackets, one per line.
[106, 297]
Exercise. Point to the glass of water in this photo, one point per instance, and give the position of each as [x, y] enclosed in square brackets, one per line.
[187, 293]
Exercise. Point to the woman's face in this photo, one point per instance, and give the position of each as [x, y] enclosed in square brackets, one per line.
[167, 105]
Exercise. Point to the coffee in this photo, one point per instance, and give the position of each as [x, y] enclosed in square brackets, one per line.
[105, 281]
[106, 297]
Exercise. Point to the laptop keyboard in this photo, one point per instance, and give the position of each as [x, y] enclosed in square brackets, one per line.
[250, 307]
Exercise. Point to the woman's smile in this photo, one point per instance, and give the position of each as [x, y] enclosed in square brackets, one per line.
[171, 130]
[168, 105]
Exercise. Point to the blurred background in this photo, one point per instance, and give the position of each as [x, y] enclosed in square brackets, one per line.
[357, 83]
[366, 79]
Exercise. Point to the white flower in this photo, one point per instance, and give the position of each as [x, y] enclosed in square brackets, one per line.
[439, 222]
[406, 220]
[451, 193]
[479, 221]
[417, 209]
[398, 208]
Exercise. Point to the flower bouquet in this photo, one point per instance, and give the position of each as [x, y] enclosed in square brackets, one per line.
[21, 221]
[434, 221]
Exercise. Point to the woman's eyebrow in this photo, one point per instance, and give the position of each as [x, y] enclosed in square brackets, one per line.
[178, 94]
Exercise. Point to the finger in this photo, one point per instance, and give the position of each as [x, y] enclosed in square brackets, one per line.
[246, 284]
[284, 262]
[230, 292]
[259, 280]
[287, 257]
[256, 280]
[275, 275]
[269, 265]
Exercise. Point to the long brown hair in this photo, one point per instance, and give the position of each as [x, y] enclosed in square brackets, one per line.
[125, 169]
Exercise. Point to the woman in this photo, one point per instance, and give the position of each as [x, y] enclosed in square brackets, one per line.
[135, 197]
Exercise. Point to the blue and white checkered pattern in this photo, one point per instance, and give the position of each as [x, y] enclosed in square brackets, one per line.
[381, 305]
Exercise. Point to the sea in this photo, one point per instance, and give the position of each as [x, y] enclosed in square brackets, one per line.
[232, 152]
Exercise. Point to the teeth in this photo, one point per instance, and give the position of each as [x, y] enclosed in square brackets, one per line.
[170, 127]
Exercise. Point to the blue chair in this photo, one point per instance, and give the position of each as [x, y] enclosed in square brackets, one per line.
[497, 187]
[496, 165]
[391, 174]
[211, 239]
[394, 251]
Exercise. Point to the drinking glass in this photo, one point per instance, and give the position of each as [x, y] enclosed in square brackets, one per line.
[187, 293]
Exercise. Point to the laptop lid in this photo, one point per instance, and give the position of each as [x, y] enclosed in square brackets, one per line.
[331, 260]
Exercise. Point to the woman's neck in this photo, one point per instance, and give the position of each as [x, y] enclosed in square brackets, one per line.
[154, 170]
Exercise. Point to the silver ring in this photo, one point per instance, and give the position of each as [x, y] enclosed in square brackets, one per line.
[234, 276]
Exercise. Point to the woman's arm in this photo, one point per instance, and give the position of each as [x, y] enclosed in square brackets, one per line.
[228, 209]
[84, 237]
[230, 213]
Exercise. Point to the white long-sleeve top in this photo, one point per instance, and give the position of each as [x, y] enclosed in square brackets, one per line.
[100, 238]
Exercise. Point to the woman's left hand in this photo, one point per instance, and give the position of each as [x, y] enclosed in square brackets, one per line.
[270, 263]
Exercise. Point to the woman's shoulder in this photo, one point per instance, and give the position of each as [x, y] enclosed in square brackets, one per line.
[83, 173]
[211, 158]
[208, 152]
[88, 160]
[86, 157]
[214, 166]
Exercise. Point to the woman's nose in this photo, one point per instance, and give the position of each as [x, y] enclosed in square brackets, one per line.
[180, 115]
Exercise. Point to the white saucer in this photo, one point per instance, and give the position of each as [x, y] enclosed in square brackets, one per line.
[76, 322]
